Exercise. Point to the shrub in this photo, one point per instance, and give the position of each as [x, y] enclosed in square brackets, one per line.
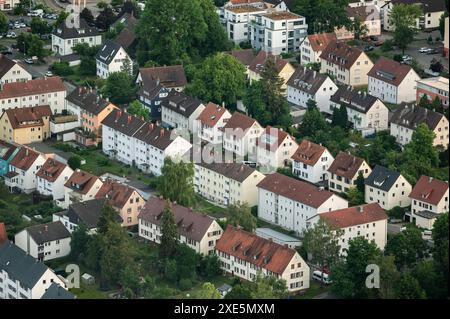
[185, 284]
[388, 45]
[62, 68]
[74, 162]
[398, 58]
[397, 212]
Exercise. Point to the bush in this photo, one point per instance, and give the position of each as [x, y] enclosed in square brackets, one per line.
[397, 212]
[74, 162]
[62, 68]
[398, 58]
[388, 45]
[185, 284]
[104, 162]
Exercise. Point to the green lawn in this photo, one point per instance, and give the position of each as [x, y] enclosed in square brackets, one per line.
[79, 79]
[313, 291]
[203, 206]
[90, 292]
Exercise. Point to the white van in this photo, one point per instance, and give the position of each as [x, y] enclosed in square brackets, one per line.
[321, 277]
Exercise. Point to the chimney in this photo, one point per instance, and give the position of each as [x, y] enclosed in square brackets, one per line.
[314, 76]
[360, 209]
[430, 179]
[150, 126]
[46, 228]
[26, 152]
[129, 119]
[223, 104]
[161, 132]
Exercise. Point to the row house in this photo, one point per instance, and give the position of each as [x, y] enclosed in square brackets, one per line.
[81, 186]
[11, 71]
[406, 118]
[198, 231]
[22, 276]
[429, 198]
[7, 153]
[392, 81]
[245, 255]
[289, 203]
[45, 91]
[51, 178]
[312, 46]
[435, 87]
[227, 183]
[387, 188]
[209, 124]
[368, 16]
[179, 111]
[45, 241]
[306, 84]
[366, 112]
[112, 58]
[344, 171]
[348, 65]
[311, 162]
[284, 68]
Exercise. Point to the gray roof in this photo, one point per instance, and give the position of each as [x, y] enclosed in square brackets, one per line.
[48, 232]
[87, 212]
[108, 51]
[123, 122]
[427, 214]
[306, 80]
[382, 178]
[356, 100]
[87, 100]
[155, 135]
[236, 171]
[55, 291]
[181, 103]
[19, 265]
[84, 30]
[410, 116]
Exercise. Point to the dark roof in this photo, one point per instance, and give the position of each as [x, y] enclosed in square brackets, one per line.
[55, 291]
[126, 38]
[84, 30]
[155, 135]
[356, 215]
[48, 232]
[429, 190]
[259, 62]
[341, 54]
[181, 103]
[426, 214]
[389, 71]
[116, 193]
[108, 52]
[88, 100]
[346, 165]
[123, 122]
[236, 171]
[6, 150]
[70, 57]
[427, 5]
[127, 19]
[410, 116]
[353, 99]
[19, 265]
[87, 212]
[244, 56]
[5, 64]
[154, 79]
[306, 80]
[382, 178]
[190, 224]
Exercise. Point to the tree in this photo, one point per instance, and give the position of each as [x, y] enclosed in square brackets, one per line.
[340, 117]
[359, 28]
[136, 108]
[208, 291]
[87, 16]
[117, 3]
[442, 24]
[108, 216]
[268, 287]
[169, 233]
[440, 251]
[187, 261]
[424, 102]
[389, 276]
[61, 18]
[79, 242]
[430, 279]
[102, 5]
[105, 19]
[240, 291]
[220, 78]
[210, 266]
[255, 103]
[176, 182]
[436, 66]
[241, 215]
[129, 279]
[355, 197]
[62, 68]
[3, 23]
[39, 26]
[313, 120]
[74, 162]
[120, 88]
[31, 45]
[409, 288]
[407, 247]
[403, 18]
[88, 66]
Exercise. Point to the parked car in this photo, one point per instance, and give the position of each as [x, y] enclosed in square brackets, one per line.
[28, 61]
[369, 48]
[407, 58]
[11, 35]
[49, 73]
[423, 50]
[373, 38]
[432, 51]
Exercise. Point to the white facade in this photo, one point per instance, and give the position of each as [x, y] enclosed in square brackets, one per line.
[428, 20]
[245, 143]
[390, 93]
[50, 250]
[237, 21]
[116, 64]
[16, 74]
[54, 188]
[176, 120]
[25, 180]
[313, 173]
[63, 46]
[212, 134]
[397, 195]
[272, 153]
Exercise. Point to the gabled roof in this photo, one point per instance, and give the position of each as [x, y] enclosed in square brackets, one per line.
[6, 150]
[356, 215]
[24, 158]
[65, 32]
[88, 100]
[239, 121]
[123, 122]
[180, 103]
[51, 170]
[363, 13]
[346, 165]
[87, 212]
[259, 62]
[20, 266]
[295, 189]
[44, 233]
[245, 56]
[306, 80]
[235, 171]
[211, 115]
[382, 178]
[272, 138]
[341, 54]
[108, 52]
[55, 291]
[155, 135]
[429, 190]
[5, 64]
[389, 71]
[117, 194]
[319, 41]
[81, 182]
[255, 250]
[126, 38]
[3, 234]
[154, 79]
[410, 116]
[127, 19]
[32, 87]
[308, 153]
[28, 116]
[353, 99]
[192, 225]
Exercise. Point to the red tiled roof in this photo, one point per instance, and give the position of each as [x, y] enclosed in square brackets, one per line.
[255, 250]
[24, 158]
[239, 121]
[429, 190]
[363, 13]
[319, 41]
[295, 189]
[356, 215]
[51, 170]
[28, 116]
[346, 165]
[3, 234]
[244, 56]
[308, 152]
[389, 71]
[116, 193]
[278, 135]
[32, 87]
[341, 54]
[81, 182]
[259, 61]
[211, 114]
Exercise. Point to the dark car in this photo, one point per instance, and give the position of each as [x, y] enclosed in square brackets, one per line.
[6, 52]
[368, 48]
[373, 38]
[432, 51]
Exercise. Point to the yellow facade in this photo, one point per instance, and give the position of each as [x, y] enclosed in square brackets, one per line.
[26, 134]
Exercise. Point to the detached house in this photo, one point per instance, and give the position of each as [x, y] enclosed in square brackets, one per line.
[289, 203]
[7, 153]
[284, 68]
[406, 118]
[22, 170]
[387, 188]
[45, 241]
[80, 187]
[306, 84]
[112, 58]
[11, 71]
[345, 170]
[65, 36]
[429, 198]
[210, 122]
[243, 254]
[180, 111]
[368, 15]
[311, 48]
[198, 231]
[311, 162]
[245, 56]
[51, 178]
[392, 82]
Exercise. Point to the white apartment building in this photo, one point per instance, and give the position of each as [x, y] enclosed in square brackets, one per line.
[112, 58]
[180, 111]
[289, 203]
[313, 45]
[198, 231]
[44, 241]
[209, 124]
[237, 20]
[227, 183]
[51, 178]
[11, 71]
[387, 188]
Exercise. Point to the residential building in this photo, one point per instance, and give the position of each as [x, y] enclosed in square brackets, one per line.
[388, 188]
[26, 125]
[243, 254]
[112, 58]
[91, 109]
[198, 231]
[429, 198]
[51, 178]
[245, 56]
[306, 84]
[8, 5]
[44, 241]
[155, 83]
[366, 112]
[284, 68]
[209, 124]
[7, 153]
[368, 221]
[22, 276]
[240, 135]
[435, 87]
[180, 111]
[237, 18]
[124, 199]
[21, 176]
[311, 162]
[368, 15]
[446, 36]
[313, 45]
[278, 237]
[344, 171]
[227, 183]
[11, 71]
[275, 148]
[406, 118]
[67, 35]
[392, 81]
[348, 65]
[80, 187]
[289, 203]
[55, 291]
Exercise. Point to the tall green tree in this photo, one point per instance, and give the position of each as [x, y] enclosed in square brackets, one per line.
[340, 117]
[440, 237]
[359, 28]
[87, 15]
[268, 287]
[136, 108]
[79, 242]
[208, 291]
[108, 216]
[389, 276]
[241, 215]
[255, 103]
[120, 88]
[169, 233]
[3, 23]
[407, 247]
[313, 121]
[409, 288]
[39, 26]
[403, 18]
